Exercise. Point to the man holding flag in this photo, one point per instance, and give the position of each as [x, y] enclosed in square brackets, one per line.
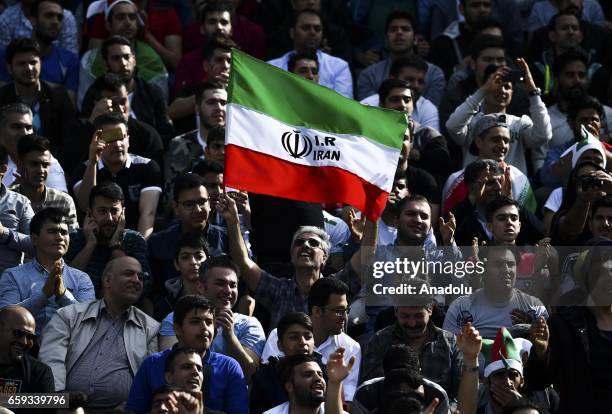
[307, 143]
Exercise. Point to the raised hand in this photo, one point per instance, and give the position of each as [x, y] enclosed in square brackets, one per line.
[530, 85]
[539, 336]
[96, 146]
[355, 225]
[118, 234]
[447, 228]
[227, 208]
[469, 341]
[90, 230]
[506, 189]
[337, 371]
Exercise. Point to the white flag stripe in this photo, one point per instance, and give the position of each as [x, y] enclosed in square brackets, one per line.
[359, 155]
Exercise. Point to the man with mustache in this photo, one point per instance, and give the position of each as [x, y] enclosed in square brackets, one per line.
[225, 387]
[46, 284]
[17, 367]
[306, 386]
[104, 237]
[97, 347]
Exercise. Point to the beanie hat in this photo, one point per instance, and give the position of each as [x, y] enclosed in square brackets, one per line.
[502, 353]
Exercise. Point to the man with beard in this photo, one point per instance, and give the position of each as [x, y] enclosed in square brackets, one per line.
[59, 66]
[97, 347]
[527, 132]
[224, 385]
[306, 387]
[53, 114]
[186, 150]
[147, 103]
[307, 35]
[46, 284]
[104, 237]
[328, 309]
[439, 357]
[20, 372]
[238, 336]
[109, 160]
[570, 72]
[498, 302]
[16, 21]
[122, 20]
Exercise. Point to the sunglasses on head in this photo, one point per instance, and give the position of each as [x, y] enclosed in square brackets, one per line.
[311, 242]
[21, 334]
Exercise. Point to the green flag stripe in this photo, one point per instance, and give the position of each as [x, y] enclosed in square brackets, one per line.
[297, 101]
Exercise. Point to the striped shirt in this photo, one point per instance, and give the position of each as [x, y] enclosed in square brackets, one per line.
[103, 369]
[55, 199]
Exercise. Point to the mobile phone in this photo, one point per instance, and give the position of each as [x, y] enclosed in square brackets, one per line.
[590, 182]
[112, 135]
[514, 76]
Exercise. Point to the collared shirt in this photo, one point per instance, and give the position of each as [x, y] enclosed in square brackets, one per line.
[103, 369]
[132, 243]
[56, 199]
[225, 389]
[334, 72]
[15, 215]
[22, 285]
[56, 178]
[15, 24]
[329, 346]
[425, 112]
[247, 329]
[440, 359]
[282, 296]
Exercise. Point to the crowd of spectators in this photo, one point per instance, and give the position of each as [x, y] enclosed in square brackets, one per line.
[135, 281]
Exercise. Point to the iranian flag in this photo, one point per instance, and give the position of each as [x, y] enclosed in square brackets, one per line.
[289, 137]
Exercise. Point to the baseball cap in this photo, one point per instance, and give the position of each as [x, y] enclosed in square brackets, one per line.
[485, 123]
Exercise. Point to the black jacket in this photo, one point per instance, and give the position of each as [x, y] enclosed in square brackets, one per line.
[578, 363]
[57, 115]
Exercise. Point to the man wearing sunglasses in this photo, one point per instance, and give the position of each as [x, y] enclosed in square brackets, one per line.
[309, 252]
[18, 369]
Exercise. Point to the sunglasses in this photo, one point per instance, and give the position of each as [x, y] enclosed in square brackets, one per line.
[21, 334]
[311, 242]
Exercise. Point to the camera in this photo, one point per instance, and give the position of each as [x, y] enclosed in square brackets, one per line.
[590, 182]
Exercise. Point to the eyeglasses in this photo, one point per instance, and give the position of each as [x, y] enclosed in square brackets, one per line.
[21, 334]
[340, 312]
[311, 242]
[190, 204]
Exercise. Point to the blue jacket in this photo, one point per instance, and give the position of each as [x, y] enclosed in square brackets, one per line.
[225, 388]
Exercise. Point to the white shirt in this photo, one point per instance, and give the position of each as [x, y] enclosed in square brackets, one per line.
[56, 178]
[334, 72]
[425, 112]
[333, 342]
[554, 200]
[284, 409]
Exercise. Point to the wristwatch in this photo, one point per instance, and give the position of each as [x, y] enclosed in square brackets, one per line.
[536, 92]
[471, 369]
